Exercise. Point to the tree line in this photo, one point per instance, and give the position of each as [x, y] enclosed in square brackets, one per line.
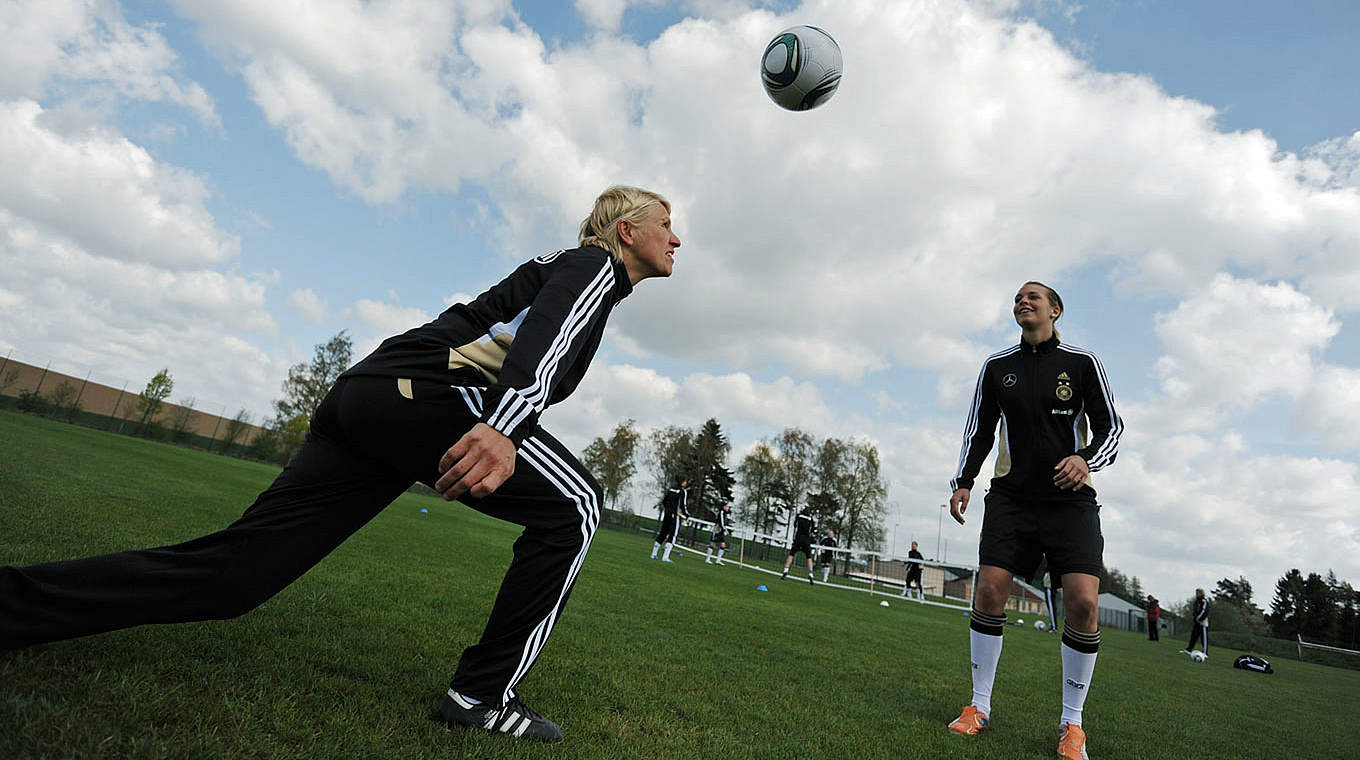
[1321, 608]
[839, 480]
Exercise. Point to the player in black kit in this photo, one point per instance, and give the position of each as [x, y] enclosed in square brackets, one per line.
[913, 580]
[803, 528]
[454, 404]
[829, 542]
[672, 509]
[719, 537]
[1058, 425]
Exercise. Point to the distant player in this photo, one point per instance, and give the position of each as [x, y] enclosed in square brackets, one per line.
[672, 509]
[1154, 618]
[829, 541]
[914, 575]
[1199, 627]
[1055, 402]
[803, 528]
[1049, 603]
[720, 532]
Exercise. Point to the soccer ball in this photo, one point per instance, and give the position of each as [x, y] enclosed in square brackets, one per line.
[1020, 621]
[1039, 625]
[1198, 656]
[801, 68]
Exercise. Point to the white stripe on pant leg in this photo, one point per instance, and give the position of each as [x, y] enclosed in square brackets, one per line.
[563, 477]
[557, 471]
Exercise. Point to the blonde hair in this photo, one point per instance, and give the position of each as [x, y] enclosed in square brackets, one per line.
[616, 204]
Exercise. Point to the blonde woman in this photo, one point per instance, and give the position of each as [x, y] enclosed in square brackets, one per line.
[454, 404]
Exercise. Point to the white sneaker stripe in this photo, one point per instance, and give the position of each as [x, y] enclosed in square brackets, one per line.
[510, 720]
[522, 727]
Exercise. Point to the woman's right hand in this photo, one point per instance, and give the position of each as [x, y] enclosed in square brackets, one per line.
[958, 504]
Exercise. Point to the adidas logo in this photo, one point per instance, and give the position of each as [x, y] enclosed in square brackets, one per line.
[1075, 685]
[1063, 376]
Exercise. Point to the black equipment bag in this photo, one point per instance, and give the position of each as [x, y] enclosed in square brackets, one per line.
[1253, 663]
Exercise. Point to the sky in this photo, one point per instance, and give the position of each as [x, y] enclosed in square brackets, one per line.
[216, 187]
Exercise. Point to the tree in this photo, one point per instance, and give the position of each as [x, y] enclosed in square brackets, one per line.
[305, 387]
[672, 456]
[64, 400]
[711, 481]
[863, 494]
[796, 451]
[1233, 610]
[1236, 592]
[1286, 610]
[181, 419]
[9, 378]
[762, 490]
[153, 396]
[611, 461]
[308, 383]
[236, 427]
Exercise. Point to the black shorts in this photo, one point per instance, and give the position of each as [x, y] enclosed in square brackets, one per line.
[719, 538]
[803, 545]
[666, 534]
[914, 576]
[826, 556]
[1018, 532]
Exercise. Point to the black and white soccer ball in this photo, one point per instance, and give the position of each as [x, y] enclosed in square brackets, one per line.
[801, 68]
[1198, 656]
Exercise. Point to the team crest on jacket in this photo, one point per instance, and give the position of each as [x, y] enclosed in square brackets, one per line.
[1008, 380]
[1064, 390]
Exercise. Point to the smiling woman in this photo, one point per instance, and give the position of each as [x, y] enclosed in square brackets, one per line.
[477, 376]
[1041, 504]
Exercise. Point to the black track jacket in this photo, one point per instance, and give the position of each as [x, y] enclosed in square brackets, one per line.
[1043, 396]
[523, 344]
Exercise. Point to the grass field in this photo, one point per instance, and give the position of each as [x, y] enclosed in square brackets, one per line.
[649, 661]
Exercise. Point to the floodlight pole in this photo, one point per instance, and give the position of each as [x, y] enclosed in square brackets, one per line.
[939, 525]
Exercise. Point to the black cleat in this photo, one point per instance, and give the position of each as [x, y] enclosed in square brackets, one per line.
[811, 581]
[513, 718]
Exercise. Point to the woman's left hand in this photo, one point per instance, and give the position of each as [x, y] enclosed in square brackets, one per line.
[1071, 473]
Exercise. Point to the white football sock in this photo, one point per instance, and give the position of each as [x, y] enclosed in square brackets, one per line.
[720, 553]
[985, 651]
[1077, 666]
[826, 573]
[667, 553]
[655, 548]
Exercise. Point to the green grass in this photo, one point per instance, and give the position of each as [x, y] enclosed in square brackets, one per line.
[649, 661]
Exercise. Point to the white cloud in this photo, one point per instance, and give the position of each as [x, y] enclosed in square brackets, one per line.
[1236, 342]
[89, 42]
[606, 15]
[106, 194]
[309, 305]
[382, 320]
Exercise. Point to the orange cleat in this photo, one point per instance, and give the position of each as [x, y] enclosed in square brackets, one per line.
[1072, 742]
[972, 721]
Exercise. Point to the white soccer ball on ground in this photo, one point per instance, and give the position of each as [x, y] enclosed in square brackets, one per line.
[1019, 621]
[1198, 656]
[883, 603]
[1040, 625]
[801, 68]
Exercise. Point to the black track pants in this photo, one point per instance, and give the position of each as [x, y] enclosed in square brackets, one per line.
[1198, 634]
[367, 444]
